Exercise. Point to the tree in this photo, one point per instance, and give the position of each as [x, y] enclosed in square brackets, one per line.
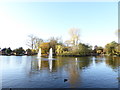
[38, 41]
[29, 52]
[110, 47]
[4, 51]
[59, 49]
[53, 42]
[8, 51]
[34, 42]
[117, 49]
[75, 35]
[45, 47]
[19, 51]
[31, 41]
[99, 50]
[84, 49]
[95, 49]
[67, 42]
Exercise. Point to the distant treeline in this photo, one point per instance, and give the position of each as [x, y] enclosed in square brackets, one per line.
[62, 50]
[71, 47]
[18, 52]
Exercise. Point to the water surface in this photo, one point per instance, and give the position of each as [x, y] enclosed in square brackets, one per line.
[79, 72]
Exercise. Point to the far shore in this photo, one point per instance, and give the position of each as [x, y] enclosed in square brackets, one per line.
[46, 55]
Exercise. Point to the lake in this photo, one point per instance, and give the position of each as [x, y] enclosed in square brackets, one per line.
[61, 72]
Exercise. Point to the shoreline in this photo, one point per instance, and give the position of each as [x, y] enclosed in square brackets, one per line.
[45, 55]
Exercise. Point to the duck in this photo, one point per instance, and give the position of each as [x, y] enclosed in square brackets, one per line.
[65, 80]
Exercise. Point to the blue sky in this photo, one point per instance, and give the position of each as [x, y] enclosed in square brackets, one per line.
[97, 21]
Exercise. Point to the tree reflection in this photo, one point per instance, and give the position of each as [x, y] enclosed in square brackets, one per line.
[84, 62]
[81, 63]
[113, 62]
[69, 68]
[74, 73]
[73, 67]
[99, 59]
[44, 65]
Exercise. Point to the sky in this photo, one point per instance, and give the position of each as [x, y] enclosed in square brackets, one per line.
[97, 21]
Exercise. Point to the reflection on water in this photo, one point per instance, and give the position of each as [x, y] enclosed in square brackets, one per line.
[74, 74]
[113, 62]
[50, 64]
[80, 72]
[39, 63]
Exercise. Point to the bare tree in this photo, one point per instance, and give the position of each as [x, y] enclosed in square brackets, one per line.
[38, 41]
[67, 42]
[75, 35]
[31, 41]
[34, 42]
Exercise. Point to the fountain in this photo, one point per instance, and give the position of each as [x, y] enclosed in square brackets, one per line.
[50, 54]
[50, 59]
[39, 53]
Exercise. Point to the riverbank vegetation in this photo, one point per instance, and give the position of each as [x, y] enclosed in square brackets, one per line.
[71, 47]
